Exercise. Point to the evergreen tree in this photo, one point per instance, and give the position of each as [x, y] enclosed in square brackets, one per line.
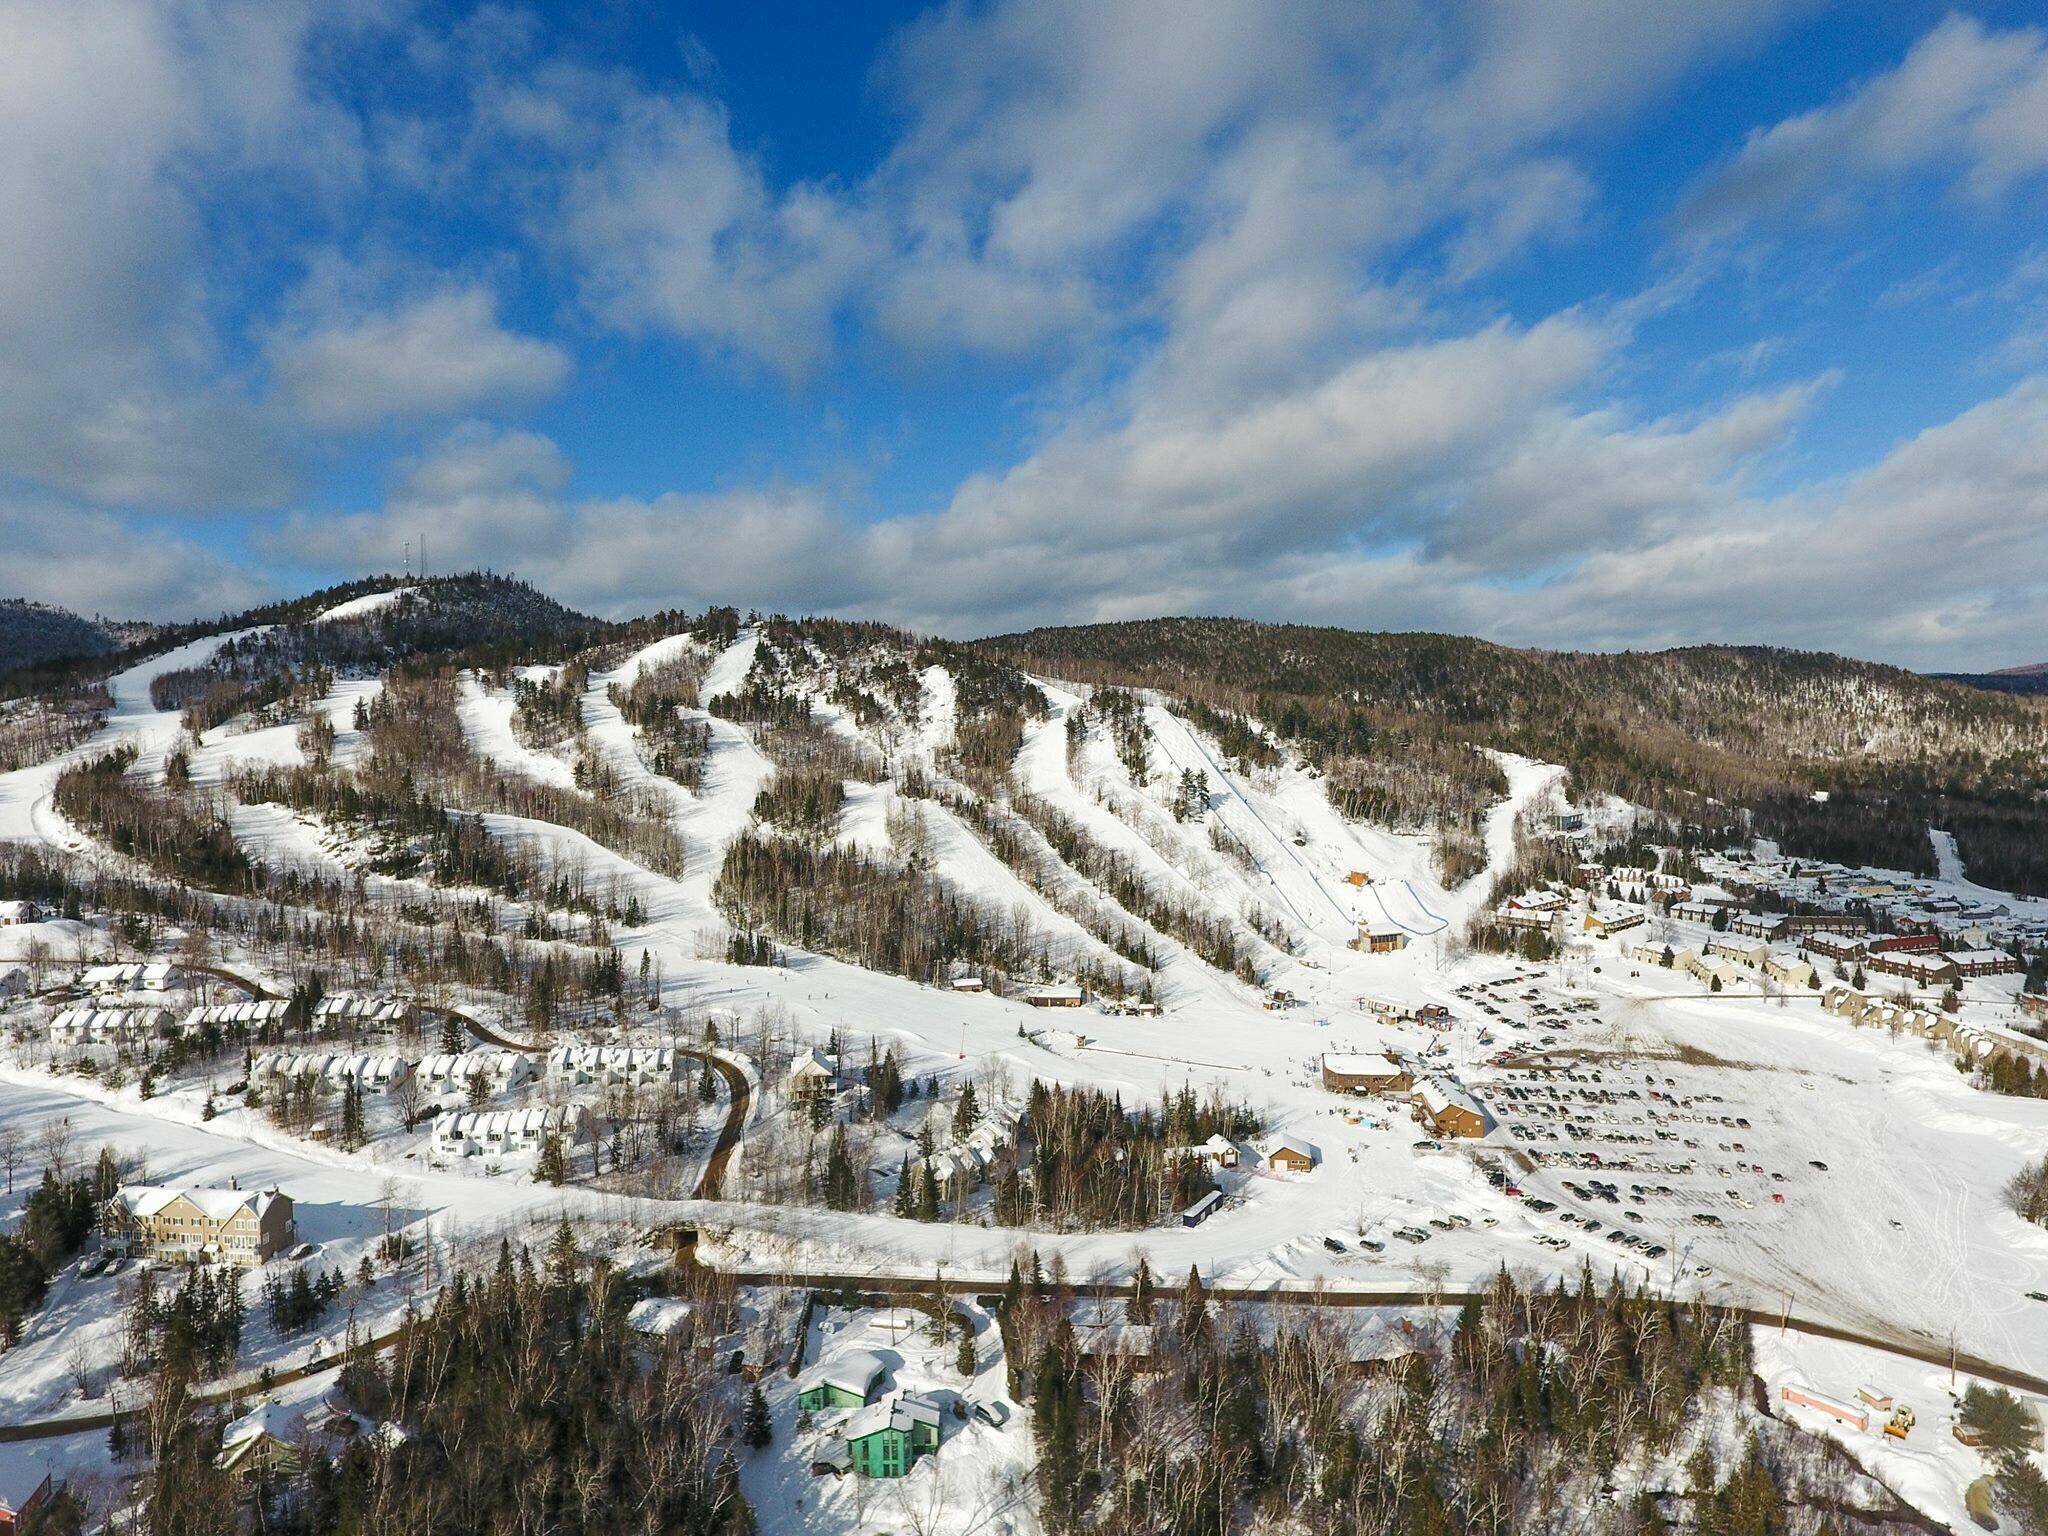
[561, 1258]
[1194, 1306]
[844, 1187]
[552, 1166]
[106, 1178]
[1011, 1207]
[2023, 1490]
[756, 1428]
[1057, 1408]
[353, 1132]
[451, 1036]
[736, 1515]
[966, 1114]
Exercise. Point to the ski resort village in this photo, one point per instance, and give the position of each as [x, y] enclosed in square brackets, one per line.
[793, 1076]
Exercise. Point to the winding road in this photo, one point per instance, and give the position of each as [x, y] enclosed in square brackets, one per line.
[739, 1092]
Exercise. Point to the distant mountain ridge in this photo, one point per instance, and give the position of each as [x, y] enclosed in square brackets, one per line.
[38, 632]
[2032, 678]
[1833, 757]
[1727, 739]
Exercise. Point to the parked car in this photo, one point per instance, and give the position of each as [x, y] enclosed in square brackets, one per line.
[994, 1415]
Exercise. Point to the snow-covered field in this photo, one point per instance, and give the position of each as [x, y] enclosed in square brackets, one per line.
[1930, 1468]
[1904, 1236]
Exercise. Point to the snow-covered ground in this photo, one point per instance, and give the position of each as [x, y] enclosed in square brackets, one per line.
[1929, 1469]
[359, 607]
[1905, 1235]
[339, 1202]
[1954, 881]
[26, 811]
[487, 726]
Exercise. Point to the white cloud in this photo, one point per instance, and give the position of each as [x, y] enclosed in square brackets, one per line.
[486, 497]
[97, 562]
[1223, 177]
[1965, 104]
[1449, 487]
[672, 229]
[118, 118]
[1254, 185]
[441, 355]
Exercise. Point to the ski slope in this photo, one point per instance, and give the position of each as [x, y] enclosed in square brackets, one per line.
[26, 812]
[486, 715]
[362, 607]
[728, 672]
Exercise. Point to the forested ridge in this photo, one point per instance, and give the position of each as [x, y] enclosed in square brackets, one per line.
[476, 618]
[33, 632]
[1834, 758]
[1718, 737]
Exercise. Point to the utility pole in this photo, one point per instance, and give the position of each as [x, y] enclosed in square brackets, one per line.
[1784, 1313]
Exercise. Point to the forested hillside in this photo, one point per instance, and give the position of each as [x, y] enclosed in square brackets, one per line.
[1719, 737]
[34, 632]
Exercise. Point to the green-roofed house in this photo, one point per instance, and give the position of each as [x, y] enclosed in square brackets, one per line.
[848, 1380]
[886, 1438]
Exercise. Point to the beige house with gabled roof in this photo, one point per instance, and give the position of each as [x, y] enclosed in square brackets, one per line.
[244, 1227]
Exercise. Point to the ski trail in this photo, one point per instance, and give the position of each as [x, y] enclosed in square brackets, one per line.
[729, 672]
[27, 795]
[1220, 776]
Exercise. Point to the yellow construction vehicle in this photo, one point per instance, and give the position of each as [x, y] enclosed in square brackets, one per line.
[1900, 1424]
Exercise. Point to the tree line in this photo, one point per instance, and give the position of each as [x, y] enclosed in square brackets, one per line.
[1215, 1419]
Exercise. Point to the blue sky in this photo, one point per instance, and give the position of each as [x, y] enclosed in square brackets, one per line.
[1575, 324]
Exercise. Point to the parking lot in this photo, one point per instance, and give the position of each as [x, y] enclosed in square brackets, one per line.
[1640, 1158]
[1524, 1014]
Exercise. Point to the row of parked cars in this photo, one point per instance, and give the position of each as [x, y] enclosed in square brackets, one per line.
[1593, 1189]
